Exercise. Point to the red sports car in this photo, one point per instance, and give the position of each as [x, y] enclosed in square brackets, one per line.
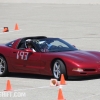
[51, 56]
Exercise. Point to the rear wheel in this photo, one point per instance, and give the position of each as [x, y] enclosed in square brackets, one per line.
[58, 69]
[3, 67]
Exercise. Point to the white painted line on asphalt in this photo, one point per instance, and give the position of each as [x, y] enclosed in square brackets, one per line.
[10, 31]
[42, 87]
[6, 32]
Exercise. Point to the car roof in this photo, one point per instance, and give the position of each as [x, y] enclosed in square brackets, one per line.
[34, 37]
[24, 38]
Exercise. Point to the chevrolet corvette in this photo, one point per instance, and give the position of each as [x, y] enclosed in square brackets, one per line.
[53, 57]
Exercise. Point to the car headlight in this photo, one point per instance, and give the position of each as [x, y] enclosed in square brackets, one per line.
[78, 69]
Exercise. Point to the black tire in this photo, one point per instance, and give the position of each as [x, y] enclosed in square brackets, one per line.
[3, 67]
[61, 69]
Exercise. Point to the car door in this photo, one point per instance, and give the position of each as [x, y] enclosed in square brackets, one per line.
[26, 60]
[18, 58]
[33, 62]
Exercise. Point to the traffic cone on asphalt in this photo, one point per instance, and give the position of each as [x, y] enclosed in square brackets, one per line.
[62, 80]
[8, 86]
[60, 95]
[54, 82]
[5, 29]
[16, 27]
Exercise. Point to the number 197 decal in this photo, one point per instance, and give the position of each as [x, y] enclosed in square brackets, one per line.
[22, 55]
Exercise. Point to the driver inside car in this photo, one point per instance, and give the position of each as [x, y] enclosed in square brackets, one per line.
[29, 45]
[44, 47]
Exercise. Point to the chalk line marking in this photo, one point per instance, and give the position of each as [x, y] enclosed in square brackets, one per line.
[10, 31]
[42, 87]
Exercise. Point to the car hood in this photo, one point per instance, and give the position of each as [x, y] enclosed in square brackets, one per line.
[82, 56]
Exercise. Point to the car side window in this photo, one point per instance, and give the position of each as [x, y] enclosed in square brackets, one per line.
[21, 46]
[10, 44]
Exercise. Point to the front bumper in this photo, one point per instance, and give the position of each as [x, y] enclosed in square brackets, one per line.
[85, 70]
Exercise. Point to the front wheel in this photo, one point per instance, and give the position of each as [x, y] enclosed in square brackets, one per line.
[58, 69]
[3, 67]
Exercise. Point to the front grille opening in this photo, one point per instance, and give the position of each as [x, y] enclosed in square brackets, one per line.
[82, 73]
[89, 69]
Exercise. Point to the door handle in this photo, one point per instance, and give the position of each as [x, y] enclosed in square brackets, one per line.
[14, 52]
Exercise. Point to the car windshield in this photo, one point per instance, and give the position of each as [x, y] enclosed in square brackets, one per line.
[54, 45]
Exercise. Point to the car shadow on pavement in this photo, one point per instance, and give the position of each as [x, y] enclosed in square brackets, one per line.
[36, 76]
[80, 78]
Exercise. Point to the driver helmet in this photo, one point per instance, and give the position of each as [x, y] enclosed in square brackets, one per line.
[28, 43]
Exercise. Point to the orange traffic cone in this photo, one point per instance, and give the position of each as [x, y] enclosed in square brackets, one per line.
[16, 27]
[60, 95]
[5, 29]
[8, 86]
[62, 80]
